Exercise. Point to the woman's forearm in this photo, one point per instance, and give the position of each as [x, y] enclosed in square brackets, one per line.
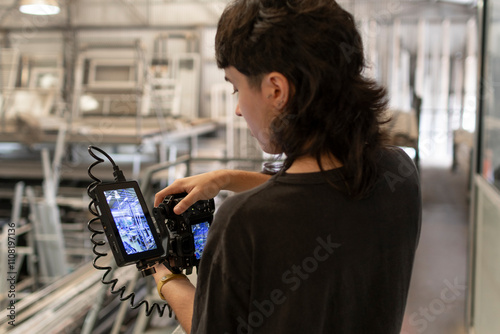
[179, 294]
[238, 180]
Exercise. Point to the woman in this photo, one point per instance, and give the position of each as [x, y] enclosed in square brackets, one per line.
[327, 244]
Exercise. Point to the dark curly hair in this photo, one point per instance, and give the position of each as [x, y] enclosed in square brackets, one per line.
[332, 109]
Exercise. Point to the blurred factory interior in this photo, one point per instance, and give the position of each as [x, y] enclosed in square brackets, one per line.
[138, 79]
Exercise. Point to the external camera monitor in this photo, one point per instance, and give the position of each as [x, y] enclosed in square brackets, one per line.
[127, 223]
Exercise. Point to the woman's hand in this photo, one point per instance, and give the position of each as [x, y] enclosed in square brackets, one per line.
[198, 187]
[160, 271]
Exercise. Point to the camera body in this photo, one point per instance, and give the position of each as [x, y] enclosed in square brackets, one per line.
[186, 234]
[175, 240]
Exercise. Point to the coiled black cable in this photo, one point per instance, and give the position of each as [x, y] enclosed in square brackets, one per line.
[118, 174]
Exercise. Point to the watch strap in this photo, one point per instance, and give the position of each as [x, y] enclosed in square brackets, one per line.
[167, 278]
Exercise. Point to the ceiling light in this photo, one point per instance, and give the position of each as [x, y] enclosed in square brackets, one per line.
[39, 7]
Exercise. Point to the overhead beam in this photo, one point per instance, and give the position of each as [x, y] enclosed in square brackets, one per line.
[135, 11]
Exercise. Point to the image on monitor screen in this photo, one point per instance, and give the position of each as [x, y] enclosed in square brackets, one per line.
[130, 220]
[200, 233]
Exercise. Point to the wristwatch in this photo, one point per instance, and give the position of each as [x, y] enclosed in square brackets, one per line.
[167, 278]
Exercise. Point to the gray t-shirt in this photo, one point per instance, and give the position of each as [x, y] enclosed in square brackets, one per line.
[295, 255]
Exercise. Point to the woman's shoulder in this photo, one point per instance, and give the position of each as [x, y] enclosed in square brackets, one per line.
[396, 155]
[398, 170]
[244, 203]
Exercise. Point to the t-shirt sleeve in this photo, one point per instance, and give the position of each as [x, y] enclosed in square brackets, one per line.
[221, 305]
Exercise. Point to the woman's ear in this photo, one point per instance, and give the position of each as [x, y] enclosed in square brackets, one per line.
[276, 88]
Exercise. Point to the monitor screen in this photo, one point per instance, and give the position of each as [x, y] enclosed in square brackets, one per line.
[130, 220]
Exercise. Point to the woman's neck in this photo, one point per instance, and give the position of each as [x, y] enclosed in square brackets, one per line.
[308, 164]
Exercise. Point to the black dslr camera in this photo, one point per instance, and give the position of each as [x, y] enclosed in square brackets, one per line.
[176, 240]
[187, 233]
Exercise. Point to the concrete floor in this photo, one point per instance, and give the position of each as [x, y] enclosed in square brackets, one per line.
[436, 302]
